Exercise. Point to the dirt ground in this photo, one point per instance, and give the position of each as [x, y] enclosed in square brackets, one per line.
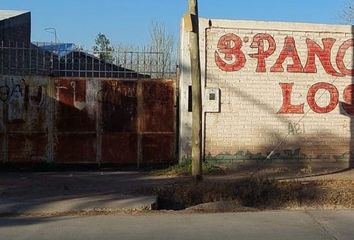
[270, 187]
[265, 188]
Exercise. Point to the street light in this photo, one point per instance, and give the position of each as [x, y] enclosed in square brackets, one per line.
[53, 31]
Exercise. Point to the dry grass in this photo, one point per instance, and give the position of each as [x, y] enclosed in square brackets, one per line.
[260, 193]
[185, 169]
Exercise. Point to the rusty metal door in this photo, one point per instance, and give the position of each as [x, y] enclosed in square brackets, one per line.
[158, 137]
[118, 102]
[23, 125]
[84, 120]
[74, 129]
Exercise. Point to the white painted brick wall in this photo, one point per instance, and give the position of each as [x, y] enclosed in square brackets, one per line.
[248, 119]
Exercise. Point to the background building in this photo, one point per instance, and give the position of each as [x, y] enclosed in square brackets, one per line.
[15, 27]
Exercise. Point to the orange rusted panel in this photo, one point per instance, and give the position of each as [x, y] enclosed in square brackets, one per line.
[75, 148]
[78, 120]
[119, 105]
[118, 101]
[158, 106]
[119, 148]
[158, 148]
[2, 120]
[29, 148]
[2, 152]
[72, 113]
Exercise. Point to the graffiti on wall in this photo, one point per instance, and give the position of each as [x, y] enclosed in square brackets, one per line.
[296, 128]
[75, 104]
[77, 120]
[230, 57]
[21, 97]
[72, 93]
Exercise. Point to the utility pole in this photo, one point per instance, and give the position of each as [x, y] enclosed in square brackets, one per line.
[192, 23]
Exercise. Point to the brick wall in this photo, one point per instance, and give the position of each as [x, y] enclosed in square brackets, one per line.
[285, 88]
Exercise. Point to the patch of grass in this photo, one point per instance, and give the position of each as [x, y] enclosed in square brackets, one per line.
[185, 169]
[261, 193]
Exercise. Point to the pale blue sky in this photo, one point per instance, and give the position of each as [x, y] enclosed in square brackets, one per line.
[127, 22]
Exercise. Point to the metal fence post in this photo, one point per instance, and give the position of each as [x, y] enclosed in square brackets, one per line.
[140, 114]
[50, 118]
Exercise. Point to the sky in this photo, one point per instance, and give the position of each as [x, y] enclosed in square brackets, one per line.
[128, 22]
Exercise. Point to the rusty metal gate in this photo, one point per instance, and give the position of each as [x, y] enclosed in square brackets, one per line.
[87, 120]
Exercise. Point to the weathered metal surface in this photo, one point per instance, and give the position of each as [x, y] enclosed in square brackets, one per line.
[2, 153]
[158, 122]
[27, 148]
[77, 120]
[24, 102]
[119, 148]
[27, 105]
[3, 134]
[119, 106]
[2, 116]
[72, 106]
[158, 148]
[78, 148]
[118, 101]
[158, 106]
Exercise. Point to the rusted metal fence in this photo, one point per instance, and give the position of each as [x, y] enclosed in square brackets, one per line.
[87, 120]
[67, 60]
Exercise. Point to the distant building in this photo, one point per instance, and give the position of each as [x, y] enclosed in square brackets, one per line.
[18, 56]
[60, 49]
[15, 27]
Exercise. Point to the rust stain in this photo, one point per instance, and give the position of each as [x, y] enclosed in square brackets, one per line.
[27, 148]
[119, 148]
[71, 112]
[119, 104]
[58, 117]
[1, 147]
[75, 148]
[158, 106]
[158, 148]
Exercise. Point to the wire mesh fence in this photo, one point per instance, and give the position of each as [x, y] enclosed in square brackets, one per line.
[67, 60]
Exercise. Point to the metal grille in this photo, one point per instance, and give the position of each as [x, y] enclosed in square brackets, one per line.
[66, 60]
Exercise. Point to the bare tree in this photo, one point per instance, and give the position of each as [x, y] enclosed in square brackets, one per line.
[162, 46]
[157, 58]
[348, 12]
